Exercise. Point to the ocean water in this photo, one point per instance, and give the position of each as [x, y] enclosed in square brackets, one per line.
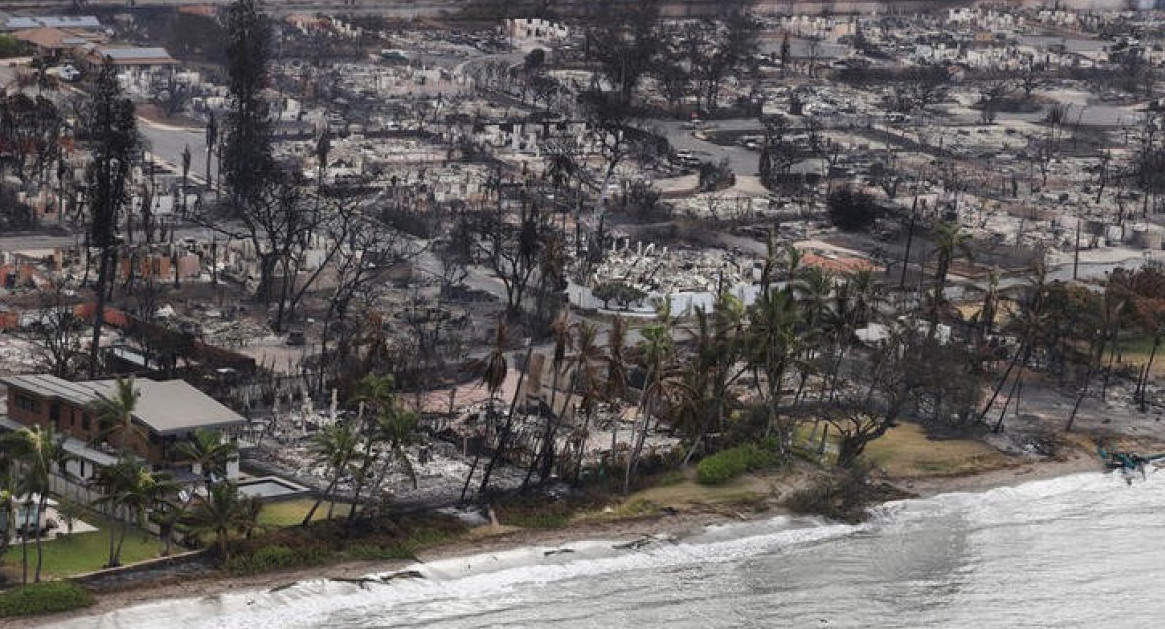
[1078, 551]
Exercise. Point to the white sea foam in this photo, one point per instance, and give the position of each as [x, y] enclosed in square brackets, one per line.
[1048, 553]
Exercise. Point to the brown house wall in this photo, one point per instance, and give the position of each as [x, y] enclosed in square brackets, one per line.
[71, 421]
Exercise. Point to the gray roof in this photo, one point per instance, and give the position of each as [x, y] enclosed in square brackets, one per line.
[174, 406]
[49, 386]
[167, 407]
[52, 21]
[135, 54]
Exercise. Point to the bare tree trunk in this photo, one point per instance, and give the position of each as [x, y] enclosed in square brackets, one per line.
[545, 453]
[504, 437]
[99, 312]
[1079, 399]
[24, 541]
[1002, 381]
[1145, 374]
[40, 509]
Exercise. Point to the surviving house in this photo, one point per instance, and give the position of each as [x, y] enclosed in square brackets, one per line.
[166, 413]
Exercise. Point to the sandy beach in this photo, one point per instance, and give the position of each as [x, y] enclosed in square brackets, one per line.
[488, 539]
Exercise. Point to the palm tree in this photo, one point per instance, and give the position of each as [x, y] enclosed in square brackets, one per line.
[212, 454]
[115, 414]
[377, 394]
[853, 305]
[1033, 321]
[987, 314]
[560, 330]
[615, 386]
[388, 427]
[1107, 330]
[146, 490]
[112, 480]
[507, 429]
[40, 451]
[657, 349]
[335, 446]
[586, 382]
[7, 511]
[728, 327]
[209, 451]
[393, 428]
[813, 288]
[793, 258]
[493, 370]
[130, 490]
[560, 169]
[950, 242]
[773, 344]
[223, 512]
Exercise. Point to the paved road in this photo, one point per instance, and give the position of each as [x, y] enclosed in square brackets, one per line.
[166, 143]
[742, 161]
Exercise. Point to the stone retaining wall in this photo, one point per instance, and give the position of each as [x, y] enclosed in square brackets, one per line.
[174, 566]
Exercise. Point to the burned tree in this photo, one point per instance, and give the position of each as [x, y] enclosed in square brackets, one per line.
[114, 137]
[625, 49]
[715, 50]
[512, 249]
[246, 150]
[58, 331]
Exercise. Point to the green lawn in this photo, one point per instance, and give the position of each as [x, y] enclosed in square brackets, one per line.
[292, 512]
[84, 552]
[906, 451]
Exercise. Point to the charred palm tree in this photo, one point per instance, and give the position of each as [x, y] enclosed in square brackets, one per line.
[492, 370]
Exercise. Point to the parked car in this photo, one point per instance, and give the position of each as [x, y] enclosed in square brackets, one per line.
[69, 73]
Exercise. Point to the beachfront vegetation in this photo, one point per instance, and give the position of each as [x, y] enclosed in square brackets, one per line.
[726, 465]
[43, 598]
[330, 541]
[222, 514]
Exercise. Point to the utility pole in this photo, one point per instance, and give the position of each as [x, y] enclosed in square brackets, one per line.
[909, 241]
[1076, 256]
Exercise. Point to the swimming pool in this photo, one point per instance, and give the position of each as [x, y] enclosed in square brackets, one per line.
[269, 487]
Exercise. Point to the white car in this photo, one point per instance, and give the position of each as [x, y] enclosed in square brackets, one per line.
[69, 73]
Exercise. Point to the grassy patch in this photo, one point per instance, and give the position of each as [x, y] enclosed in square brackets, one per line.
[85, 552]
[726, 465]
[43, 598]
[292, 512]
[688, 493]
[529, 514]
[906, 451]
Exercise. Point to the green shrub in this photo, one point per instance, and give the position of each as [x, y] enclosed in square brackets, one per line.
[726, 465]
[272, 558]
[377, 552]
[44, 598]
[12, 47]
[533, 515]
[538, 520]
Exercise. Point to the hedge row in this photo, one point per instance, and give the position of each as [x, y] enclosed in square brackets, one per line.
[726, 465]
[283, 557]
[272, 558]
[43, 598]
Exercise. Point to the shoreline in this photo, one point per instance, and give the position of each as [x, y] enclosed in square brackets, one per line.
[488, 539]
